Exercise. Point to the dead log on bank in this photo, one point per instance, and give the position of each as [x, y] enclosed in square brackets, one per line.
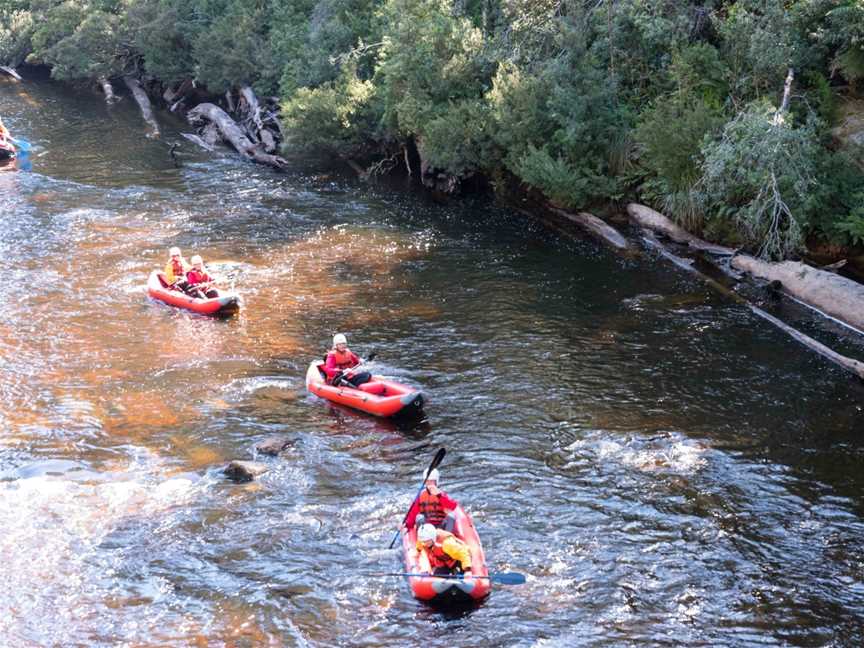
[144, 103]
[829, 293]
[849, 364]
[107, 90]
[654, 220]
[232, 133]
[11, 72]
[595, 226]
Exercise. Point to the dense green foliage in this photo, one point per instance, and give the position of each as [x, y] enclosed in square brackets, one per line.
[671, 102]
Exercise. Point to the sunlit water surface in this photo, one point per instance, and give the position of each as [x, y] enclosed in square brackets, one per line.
[664, 467]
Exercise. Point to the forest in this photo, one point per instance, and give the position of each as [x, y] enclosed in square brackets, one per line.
[721, 114]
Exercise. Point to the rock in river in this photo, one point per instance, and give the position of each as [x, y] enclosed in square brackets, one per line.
[244, 471]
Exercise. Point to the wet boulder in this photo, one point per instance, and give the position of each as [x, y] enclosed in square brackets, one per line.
[272, 446]
[244, 471]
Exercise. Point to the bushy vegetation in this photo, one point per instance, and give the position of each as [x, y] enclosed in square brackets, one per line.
[672, 102]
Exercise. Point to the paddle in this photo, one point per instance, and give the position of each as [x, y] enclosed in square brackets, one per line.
[504, 578]
[338, 378]
[22, 144]
[436, 461]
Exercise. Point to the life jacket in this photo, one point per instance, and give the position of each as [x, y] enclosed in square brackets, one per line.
[343, 360]
[430, 506]
[437, 556]
[177, 268]
[195, 276]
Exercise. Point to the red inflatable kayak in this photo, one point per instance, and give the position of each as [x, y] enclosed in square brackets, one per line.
[447, 591]
[7, 150]
[379, 396]
[224, 304]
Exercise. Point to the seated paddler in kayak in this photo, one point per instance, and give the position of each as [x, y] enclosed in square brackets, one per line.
[7, 147]
[447, 554]
[200, 283]
[175, 270]
[340, 360]
[432, 506]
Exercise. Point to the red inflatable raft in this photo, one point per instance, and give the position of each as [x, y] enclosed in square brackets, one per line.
[7, 150]
[379, 396]
[224, 304]
[441, 591]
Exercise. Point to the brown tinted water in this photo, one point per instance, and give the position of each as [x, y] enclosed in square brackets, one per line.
[664, 468]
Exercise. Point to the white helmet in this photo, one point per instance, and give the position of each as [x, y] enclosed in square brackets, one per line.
[174, 251]
[427, 533]
[339, 339]
[196, 259]
[431, 476]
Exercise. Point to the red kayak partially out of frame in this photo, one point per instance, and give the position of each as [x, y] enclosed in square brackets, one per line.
[447, 592]
[379, 396]
[223, 305]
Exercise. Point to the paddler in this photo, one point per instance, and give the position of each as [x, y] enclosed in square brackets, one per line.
[447, 554]
[340, 359]
[200, 281]
[176, 269]
[433, 505]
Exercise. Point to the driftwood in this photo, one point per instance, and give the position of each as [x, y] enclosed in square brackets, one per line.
[834, 267]
[253, 106]
[108, 90]
[837, 296]
[143, 103]
[198, 140]
[654, 220]
[850, 364]
[229, 101]
[11, 72]
[595, 226]
[208, 112]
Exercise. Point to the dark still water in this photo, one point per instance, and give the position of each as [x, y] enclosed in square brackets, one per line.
[664, 467]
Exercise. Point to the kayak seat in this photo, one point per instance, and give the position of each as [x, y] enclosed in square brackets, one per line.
[373, 387]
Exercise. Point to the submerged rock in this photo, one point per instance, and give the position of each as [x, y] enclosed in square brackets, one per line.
[272, 446]
[244, 471]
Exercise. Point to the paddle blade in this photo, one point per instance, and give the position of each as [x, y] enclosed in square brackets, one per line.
[23, 145]
[508, 578]
[439, 457]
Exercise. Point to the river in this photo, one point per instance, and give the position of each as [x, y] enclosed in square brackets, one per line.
[664, 467]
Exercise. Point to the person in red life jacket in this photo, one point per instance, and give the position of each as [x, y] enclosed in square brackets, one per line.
[447, 554]
[433, 506]
[176, 269]
[340, 359]
[200, 283]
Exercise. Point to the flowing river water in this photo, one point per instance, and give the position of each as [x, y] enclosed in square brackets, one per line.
[664, 467]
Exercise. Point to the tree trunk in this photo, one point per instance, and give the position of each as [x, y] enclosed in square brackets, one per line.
[229, 101]
[233, 134]
[657, 222]
[850, 364]
[108, 90]
[143, 103]
[11, 72]
[595, 226]
[198, 140]
[839, 297]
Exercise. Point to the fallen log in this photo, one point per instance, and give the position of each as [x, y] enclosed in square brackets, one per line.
[198, 140]
[11, 72]
[654, 220]
[229, 101]
[849, 364]
[233, 134]
[829, 293]
[144, 103]
[595, 226]
[107, 90]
